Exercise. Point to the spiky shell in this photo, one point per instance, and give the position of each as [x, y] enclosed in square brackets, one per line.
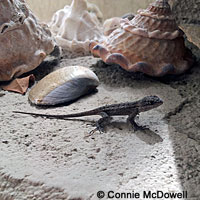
[24, 41]
[63, 85]
[150, 43]
[74, 27]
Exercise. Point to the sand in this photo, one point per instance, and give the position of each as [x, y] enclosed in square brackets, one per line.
[53, 159]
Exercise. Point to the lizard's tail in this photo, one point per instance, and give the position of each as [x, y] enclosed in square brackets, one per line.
[81, 114]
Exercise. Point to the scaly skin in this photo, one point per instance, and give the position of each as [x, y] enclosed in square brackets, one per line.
[129, 108]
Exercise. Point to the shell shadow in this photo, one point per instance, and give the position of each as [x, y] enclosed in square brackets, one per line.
[50, 63]
[115, 76]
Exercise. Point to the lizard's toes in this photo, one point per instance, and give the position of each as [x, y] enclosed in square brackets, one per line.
[101, 129]
[139, 128]
[136, 127]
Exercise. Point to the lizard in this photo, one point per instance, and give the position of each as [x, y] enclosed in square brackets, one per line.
[132, 109]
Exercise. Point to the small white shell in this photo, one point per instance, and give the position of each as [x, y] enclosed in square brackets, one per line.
[74, 27]
[63, 85]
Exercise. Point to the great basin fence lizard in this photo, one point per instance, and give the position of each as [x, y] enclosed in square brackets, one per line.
[132, 109]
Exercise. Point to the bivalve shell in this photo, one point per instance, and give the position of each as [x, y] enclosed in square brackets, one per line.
[63, 86]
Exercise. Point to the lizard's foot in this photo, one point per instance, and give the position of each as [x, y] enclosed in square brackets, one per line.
[139, 128]
[101, 130]
[91, 132]
[102, 122]
[134, 125]
[98, 128]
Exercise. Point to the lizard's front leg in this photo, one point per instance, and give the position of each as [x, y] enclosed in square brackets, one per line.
[131, 120]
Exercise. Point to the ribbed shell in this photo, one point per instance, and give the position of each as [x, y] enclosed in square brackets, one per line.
[156, 21]
[151, 37]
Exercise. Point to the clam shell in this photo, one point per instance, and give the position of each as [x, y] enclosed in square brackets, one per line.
[151, 43]
[63, 85]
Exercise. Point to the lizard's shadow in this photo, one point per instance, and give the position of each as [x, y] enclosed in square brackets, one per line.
[146, 135]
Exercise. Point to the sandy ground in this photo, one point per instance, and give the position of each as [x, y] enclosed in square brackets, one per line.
[52, 159]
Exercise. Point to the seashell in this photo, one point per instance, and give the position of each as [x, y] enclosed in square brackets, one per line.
[63, 85]
[151, 43]
[24, 41]
[94, 10]
[129, 16]
[113, 23]
[110, 25]
[19, 85]
[74, 27]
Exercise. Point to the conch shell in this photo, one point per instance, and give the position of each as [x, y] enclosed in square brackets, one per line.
[63, 86]
[110, 25]
[74, 27]
[113, 23]
[150, 43]
[24, 41]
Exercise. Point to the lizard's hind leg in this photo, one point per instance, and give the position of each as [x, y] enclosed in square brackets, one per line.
[101, 123]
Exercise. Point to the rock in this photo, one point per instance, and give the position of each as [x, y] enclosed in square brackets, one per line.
[192, 32]
[186, 11]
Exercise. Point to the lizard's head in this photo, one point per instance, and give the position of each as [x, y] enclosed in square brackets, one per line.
[150, 102]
